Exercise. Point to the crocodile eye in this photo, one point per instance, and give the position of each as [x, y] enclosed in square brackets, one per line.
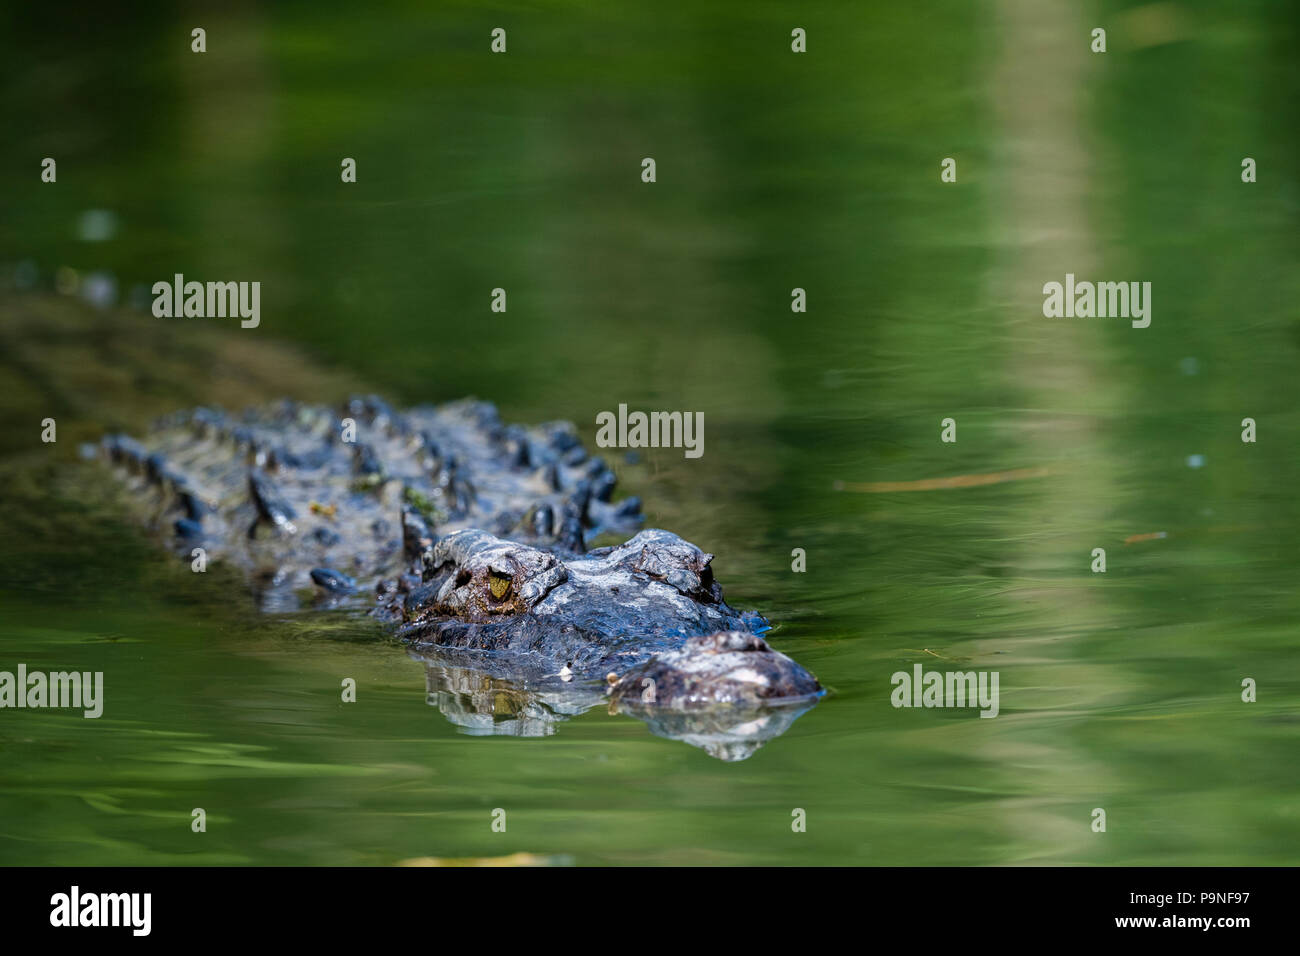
[498, 584]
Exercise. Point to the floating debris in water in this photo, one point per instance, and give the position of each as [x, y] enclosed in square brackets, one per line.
[1148, 536]
[936, 484]
[1195, 461]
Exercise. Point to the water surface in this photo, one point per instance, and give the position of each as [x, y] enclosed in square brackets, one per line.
[1118, 690]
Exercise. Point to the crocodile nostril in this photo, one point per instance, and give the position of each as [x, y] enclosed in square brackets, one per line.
[499, 584]
[462, 578]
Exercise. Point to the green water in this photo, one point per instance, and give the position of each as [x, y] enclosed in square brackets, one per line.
[1119, 691]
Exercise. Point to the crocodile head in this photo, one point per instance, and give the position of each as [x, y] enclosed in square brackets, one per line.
[645, 610]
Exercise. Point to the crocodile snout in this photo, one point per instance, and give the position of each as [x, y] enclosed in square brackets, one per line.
[727, 668]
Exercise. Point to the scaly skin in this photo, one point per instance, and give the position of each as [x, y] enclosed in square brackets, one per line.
[413, 512]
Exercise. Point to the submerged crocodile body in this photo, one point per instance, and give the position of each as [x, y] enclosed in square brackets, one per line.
[470, 537]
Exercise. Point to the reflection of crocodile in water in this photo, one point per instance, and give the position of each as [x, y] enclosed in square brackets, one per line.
[470, 536]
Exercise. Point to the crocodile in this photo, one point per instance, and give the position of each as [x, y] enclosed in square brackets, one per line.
[470, 538]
